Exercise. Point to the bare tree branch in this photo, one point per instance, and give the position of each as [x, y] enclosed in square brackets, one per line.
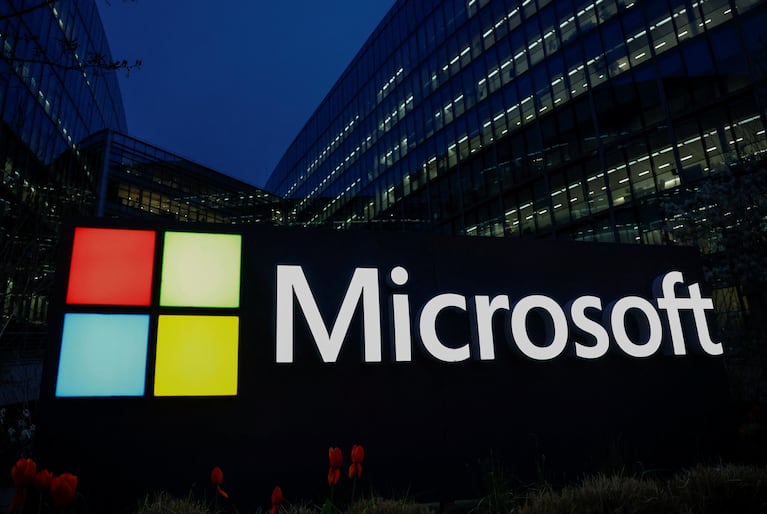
[95, 61]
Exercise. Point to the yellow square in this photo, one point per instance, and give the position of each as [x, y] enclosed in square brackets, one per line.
[196, 356]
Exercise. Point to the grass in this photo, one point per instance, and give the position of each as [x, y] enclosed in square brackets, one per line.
[699, 490]
[164, 503]
[601, 493]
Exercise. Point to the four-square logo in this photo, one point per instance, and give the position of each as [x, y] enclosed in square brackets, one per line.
[118, 323]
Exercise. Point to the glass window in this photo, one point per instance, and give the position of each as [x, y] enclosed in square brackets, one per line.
[499, 20]
[595, 186]
[748, 129]
[549, 30]
[514, 16]
[730, 59]
[640, 168]
[534, 42]
[584, 127]
[617, 175]
[528, 8]
[692, 158]
[597, 69]
[559, 203]
[487, 32]
[661, 29]
[526, 212]
[647, 89]
[576, 70]
[542, 86]
[511, 102]
[615, 51]
[498, 112]
[637, 43]
[716, 138]
[552, 154]
[542, 205]
[506, 62]
[744, 5]
[566, 17]
[587, 16]
[700, 70]
[569, 139]
[527, 102]
[662, 157]
[576, 196]
[519, 46]
[559, 85]
[687, 21]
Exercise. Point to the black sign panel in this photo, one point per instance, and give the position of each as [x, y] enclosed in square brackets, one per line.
[437, 354]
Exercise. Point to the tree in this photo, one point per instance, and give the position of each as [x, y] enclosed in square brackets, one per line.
[725, 215]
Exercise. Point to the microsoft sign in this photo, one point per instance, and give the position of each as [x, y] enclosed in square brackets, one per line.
[105, 336]
[364, 288]
[435, 349]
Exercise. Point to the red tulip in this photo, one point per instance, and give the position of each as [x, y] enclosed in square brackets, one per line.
[276, 500]
[336, 459]
[334, 474]
[355, 470]
[43, 480]
[216, 478]
[358, 454]
[23, 473]
[277, 496]
[63, 489]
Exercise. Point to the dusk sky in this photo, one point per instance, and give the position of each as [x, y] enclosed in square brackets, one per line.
[230, 84]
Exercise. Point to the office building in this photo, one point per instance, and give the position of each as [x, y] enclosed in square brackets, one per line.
[63, 153]
[575, 119]
[140, 180]
[531, 118]
[51, 97]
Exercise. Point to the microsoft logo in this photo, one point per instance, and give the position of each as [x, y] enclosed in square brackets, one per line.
[125, 332]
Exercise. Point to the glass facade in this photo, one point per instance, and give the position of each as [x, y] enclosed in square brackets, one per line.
[63, 153]
[52, 95]
[533, 118]
[138, 180]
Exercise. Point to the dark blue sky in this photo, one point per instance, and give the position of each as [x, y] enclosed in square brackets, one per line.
[230, 84]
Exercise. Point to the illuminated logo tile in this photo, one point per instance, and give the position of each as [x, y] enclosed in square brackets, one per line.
[111, 267]
[196, 356]
[200, 270]
[103, 355]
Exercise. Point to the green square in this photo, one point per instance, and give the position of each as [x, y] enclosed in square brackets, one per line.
[200, 270]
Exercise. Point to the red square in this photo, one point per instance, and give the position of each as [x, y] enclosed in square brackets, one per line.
[111, 267]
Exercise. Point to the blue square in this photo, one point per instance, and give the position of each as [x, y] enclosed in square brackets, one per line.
[103, 355]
